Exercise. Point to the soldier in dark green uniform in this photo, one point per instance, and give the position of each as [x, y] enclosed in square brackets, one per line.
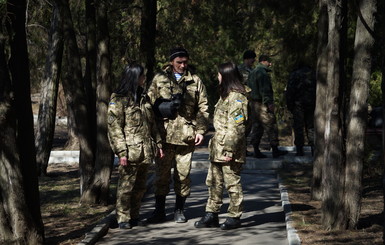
[180, 103]
[262, 107]
[134, 138]
[247, 66]
[300, 100]
[227, 150]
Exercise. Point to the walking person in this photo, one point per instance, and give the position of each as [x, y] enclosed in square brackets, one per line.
[300, 100]
[262, 108]
[134, 138]
[227, 150]
[180, 103]
[247, 66]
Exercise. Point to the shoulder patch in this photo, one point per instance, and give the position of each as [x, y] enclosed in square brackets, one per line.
[240, 118]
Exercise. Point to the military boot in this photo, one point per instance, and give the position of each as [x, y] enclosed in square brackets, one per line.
[178, 212]
[209, 220]
[159, 215]
[231, 223]
[277, 152]
[299, 151]
[258, 153]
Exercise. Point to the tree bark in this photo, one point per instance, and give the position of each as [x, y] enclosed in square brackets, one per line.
[319, 113]
[20, 217]
[333, 216]
[49, 92]
[98, 190]
[76, 98]
[358, 109]
[148, 35]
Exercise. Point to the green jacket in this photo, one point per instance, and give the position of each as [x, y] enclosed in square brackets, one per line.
[230, 118]
[131, 129]
[260, 83]
[192, 117]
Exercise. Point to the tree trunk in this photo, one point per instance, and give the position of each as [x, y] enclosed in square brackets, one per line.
[333, 216]
[98, 190]
[358, 109]
[148, 34]
[49, 92]
[319, 113]
[75, 93]
[20, 217]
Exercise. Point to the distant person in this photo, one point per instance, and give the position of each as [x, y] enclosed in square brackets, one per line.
[247, 66]
[262, 108]
[134, 138]
[181, 107]
[300, 100]
[227, 150]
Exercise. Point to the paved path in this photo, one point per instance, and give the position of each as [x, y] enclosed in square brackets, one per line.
[263, 221]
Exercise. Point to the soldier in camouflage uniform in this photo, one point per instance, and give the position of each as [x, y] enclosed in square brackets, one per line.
[300, 100]
[134, 138]
[181, 129]
[247, 66]
[227, 150]
[262, 108]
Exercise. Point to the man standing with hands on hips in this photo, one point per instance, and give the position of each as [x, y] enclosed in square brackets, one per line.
[179, 100]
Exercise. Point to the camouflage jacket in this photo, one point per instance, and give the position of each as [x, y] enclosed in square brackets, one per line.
[245, 71]
[131, 129]
[192, 116]
[230, 118]
[260, 83]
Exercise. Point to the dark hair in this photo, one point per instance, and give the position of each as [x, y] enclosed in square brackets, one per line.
[249, 54]
[129, 81]
[264, 57]
[231, 79]
[178, 52]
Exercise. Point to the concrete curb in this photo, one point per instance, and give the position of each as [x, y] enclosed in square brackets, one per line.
[292, 235]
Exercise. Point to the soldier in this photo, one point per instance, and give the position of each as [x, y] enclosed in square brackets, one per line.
[134, 138]
[300, 100]
[180, 103]
[247, 66]
[227, 150]
[262, 108]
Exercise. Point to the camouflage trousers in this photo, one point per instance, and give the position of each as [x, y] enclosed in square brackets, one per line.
[177, 157]
[228, 174]
[131, 188]
[262, 120]
[303, 123]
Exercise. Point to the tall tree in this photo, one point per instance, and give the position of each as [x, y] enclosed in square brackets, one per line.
[148, 34]
[76, 97]
[358, 109]
[98, 189]
[319, 113]
[20, 217]
[333, 171]
[49, 91]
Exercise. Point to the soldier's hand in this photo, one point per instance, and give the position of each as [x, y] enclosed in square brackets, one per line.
[228, 159]
[123, 161]
[198, 139]
[160, 153]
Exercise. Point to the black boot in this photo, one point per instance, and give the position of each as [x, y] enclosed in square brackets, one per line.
[231, 223]
[277, 152]
[159, 215]
[258, 153]
[178, 212]
[209, 220]
[299, 151]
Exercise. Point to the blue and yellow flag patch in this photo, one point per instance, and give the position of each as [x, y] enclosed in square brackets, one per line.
[239, 118]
